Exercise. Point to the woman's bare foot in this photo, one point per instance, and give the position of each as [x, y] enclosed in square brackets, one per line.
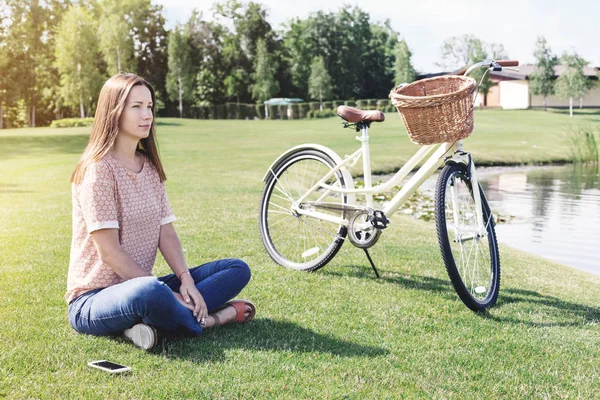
[225, 316]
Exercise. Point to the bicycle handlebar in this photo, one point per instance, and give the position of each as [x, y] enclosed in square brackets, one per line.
[494, 65]
[508, 63]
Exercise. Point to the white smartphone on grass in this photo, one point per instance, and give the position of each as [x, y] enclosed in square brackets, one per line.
[109, 366]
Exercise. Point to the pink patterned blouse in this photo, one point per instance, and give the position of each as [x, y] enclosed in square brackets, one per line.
[112, 196]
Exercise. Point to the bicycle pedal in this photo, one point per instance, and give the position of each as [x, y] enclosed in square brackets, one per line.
[378, 219]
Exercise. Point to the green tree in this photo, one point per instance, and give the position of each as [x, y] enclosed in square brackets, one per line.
[180, 78]
[4, 65]
[358, 55]
[378, 61]
[236, 83]
[76, 52]
[319, 83]
[461, 51]
[478, 53]
[572, 83]
[541, 82]
[30, 36]
[457, 51]
[404, 71]
[114, 33]
[150, 45]
[265, 85]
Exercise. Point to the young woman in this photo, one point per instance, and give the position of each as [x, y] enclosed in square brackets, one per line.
[121, 217]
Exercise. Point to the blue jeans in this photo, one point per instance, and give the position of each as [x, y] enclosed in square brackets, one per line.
[151, 300]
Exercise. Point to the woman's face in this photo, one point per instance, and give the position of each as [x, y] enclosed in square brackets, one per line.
[136, 118]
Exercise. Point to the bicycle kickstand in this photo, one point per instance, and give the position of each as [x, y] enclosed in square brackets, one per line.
[371, 261]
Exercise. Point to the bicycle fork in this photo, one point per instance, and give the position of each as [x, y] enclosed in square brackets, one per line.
[464, 158]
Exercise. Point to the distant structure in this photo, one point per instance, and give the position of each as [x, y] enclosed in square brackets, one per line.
[281, 101]
[511, 89]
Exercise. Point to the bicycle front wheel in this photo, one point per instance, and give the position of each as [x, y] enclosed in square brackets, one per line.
[298, 241]
[471, 258]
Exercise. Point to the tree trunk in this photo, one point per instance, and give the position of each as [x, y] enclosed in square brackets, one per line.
[33, 116]
[571, 107]
[180, 97]
[581, 103]
[321, 105]
[118, 60]
[28, 113]
[81, 109]
[545, 104]
[1, 122]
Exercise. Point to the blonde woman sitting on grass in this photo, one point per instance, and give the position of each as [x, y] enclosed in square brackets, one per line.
[121, 217]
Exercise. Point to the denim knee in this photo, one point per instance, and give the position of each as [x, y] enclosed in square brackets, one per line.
[243, 270]
[152, 293]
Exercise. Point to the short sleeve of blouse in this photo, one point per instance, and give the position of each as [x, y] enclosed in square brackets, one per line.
[97, 198]
[166, 214]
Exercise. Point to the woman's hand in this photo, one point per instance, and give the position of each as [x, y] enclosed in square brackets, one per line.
[192, 298]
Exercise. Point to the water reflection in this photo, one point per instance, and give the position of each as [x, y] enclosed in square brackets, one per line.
[556, 211]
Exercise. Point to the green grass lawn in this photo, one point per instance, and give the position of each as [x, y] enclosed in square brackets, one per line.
[336, 333]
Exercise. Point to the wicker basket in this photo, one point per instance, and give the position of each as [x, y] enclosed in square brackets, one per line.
[436, 110]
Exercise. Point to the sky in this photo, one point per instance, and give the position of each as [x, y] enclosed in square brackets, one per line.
[567, 25]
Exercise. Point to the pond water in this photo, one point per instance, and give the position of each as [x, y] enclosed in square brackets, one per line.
[553, 212]
[550, 211]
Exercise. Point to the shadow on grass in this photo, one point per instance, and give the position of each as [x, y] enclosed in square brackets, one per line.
[262, 334]
[405, 280]
[18, 146]
[528, 307]
[553, 310]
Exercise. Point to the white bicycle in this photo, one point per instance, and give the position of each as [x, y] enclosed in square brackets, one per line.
[310, 205]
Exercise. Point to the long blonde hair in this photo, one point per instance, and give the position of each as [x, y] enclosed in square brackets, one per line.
[106, 125]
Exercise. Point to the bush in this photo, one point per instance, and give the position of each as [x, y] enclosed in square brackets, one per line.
[350, 103]
[304, 109]
[321, 114]
[273, 111]
[295, 111]
[249, 111]
[314, 105]
[362, 104]
[71, 122]
[382, 104]
[337, 103]
[283, 111]
[372, 104]
[232, 110]
[260, 111]
[328, 105]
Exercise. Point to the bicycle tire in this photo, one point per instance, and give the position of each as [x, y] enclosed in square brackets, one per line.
[305, 243]
[473, 264]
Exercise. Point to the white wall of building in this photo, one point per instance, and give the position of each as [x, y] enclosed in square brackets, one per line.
[592, 99]
[514, 95]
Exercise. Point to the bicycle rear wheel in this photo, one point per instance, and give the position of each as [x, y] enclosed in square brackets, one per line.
[472, 260]
[293, 240]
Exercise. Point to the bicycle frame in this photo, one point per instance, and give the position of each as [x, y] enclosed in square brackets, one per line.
[435, 156]
[437, 153]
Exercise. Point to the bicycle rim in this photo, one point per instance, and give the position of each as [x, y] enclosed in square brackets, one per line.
[471, 259]
[298, 241]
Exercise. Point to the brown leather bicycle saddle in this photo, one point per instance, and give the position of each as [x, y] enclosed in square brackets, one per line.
[351, 114]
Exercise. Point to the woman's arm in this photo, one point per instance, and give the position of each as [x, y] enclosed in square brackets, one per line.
[170, 247]
[112, 254]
